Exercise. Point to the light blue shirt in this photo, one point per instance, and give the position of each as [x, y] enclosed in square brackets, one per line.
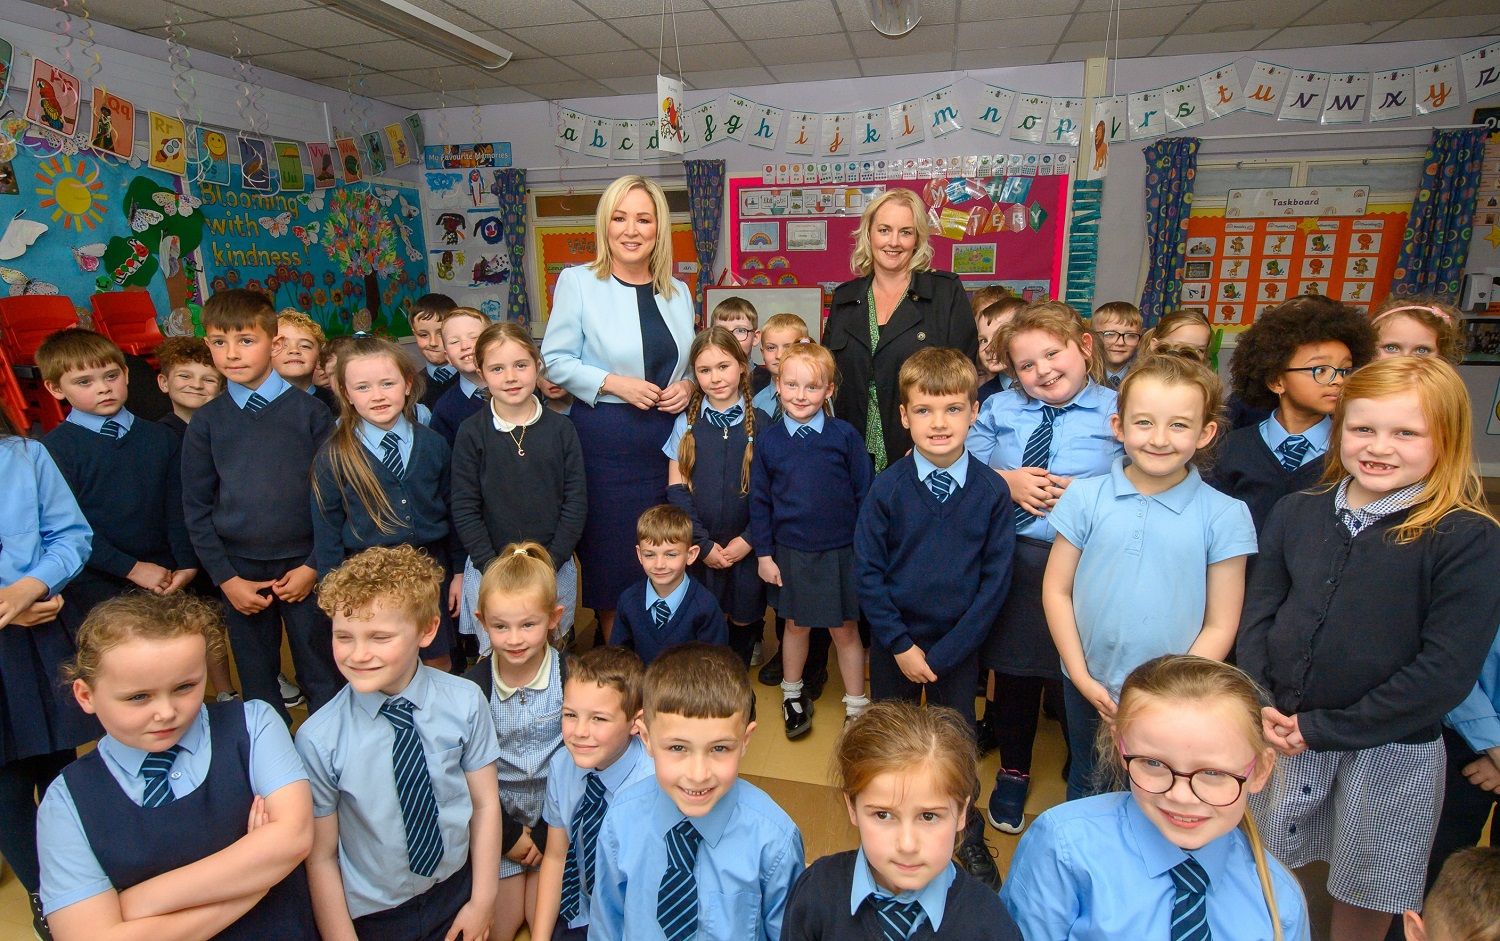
[566, 783]
[1273, 434]
[371, 436]
[766, 400]
[679, 427]
[1082, 443]
[43, 534]
[1477, 718]
[71, 872]
[424, 414]
[465, 387]
[1097, 869]
[815, 423]
[269, 389]
[959, 470]
[1141, 586]
[750, 855]
[346, 747]
[95, 423]
[933, 897]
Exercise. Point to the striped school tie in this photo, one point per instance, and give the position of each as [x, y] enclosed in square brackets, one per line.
[419, 811]
[1038, 448]
[442, 374]
[1292, 451]
[677, 899]
[660, 613]
[391, 445]
[578, 870]
[897, 918]
[1189, 902]
[776, 412]
[802, 431]
[256, 402]
[111, 428]
[156, 769]
[723, 419]
[480, 396]
[941, 483]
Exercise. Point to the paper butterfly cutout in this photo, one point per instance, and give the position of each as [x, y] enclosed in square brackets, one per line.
[143, 219]
[308, 233]
[313, 201]
[385, 195]
[171, 202]
[19, 236]
[277, 225]
[20, 284]
[88, 256]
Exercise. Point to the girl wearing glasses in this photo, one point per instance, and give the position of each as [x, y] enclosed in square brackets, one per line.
[1176, 857]
[1371, 609]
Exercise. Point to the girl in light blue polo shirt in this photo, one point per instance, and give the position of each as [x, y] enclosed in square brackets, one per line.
[1148, 559]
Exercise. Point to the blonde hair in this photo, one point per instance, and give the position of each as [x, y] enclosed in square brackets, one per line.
[613, 667]
[893, 736]
[661, 252]
[1171, 322]
[239, 309]
[296, 319]
[698, 681]
[1464, 903]
[936, 370]
[1056, 319]
[785, 322]
[1123, 311]
[1190, 679]
[1442, 319]
[1173, 365]
[457, 312]
[521, 568]
[1452, 485]
[863, 259]
[506, 332]
[664, 525]
[718, 338]
[138, 614]
[821, 361]
[402, 578]
[733, 308]
[75, 348]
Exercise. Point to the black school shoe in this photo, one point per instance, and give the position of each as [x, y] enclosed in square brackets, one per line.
[797, 714]
[38, 920]
[978, 860]
[770, 672]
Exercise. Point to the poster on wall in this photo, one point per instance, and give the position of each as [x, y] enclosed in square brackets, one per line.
[466, 156]
[213, 155]
[320, 155]
[53, 98]
[114, 124]
[167, 143]
[396, 138]
[669, 114]
[289, 166]
[255, 164]
[349, 159]
[375, 152]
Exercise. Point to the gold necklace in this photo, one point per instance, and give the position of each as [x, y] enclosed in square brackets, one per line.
[520, 451]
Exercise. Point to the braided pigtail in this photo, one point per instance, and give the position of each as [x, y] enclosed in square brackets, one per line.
[687, 448]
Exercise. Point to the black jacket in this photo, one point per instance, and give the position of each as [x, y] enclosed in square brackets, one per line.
[935, 312]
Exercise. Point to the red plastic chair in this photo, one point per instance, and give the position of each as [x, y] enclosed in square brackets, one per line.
[129, 319]
[12, 399]
[27, 320]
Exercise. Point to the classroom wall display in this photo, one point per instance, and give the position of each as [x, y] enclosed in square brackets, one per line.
[466, 156]
[114, 124]
[468, 256]
[806, 303]
[1238, 268]
[563, 246]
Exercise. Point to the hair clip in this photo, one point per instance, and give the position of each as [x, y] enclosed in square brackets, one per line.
[1435, 311]
[519, 550]
[362, 334]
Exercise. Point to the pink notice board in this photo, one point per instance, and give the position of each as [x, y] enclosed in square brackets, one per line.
[987, 230]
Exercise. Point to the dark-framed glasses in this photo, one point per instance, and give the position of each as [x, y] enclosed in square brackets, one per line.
[1110, 336]
[1323, 375]
[1213, 786]
[740, 333]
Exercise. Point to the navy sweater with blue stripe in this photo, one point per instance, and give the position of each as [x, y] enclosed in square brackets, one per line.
[697, 618]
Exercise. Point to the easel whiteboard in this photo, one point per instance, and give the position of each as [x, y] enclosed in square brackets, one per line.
[806, 303]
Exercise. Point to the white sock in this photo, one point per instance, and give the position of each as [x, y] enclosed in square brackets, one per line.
[790, 690]
[854, 705]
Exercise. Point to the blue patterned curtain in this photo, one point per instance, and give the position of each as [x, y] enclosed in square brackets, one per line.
[705, 181]
[510, 186]
[1436, 243]
[1170, 165]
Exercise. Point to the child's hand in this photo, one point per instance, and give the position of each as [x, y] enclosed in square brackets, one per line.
[40, 612]
[1059, 484]
[180, 580]
[674, 398]
[150, 576]
[913, 664]
[1098, 696]
[765, 566]
[525, 851]
[296, 584]
[1030, 488]
[715, 558]
[456, 594]
[736, 550]
[471, 924]
[258, 815]
[246, 596]
[1483, 773]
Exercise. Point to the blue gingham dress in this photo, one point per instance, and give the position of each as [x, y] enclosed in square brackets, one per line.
[529, 727]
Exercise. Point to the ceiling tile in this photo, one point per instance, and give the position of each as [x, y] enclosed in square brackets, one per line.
[524, 13]
[1003, 58]
[1331, 12]
[446, 11]
[729, 78]
[856, 13]
[380, 84]
[241, 7]
[392, 55]
[1132, 25]
[224, 41]
[614, 9]
[631, 85]
[141, 15]
[693, 27]
[789, 18]
[716, 55]
[502, 95]
[816, 49]
[1296, 37]
[612, 65]
[1442, 27]
[972, 11]
[935, 38]
[1022, 31]
[1126, 49]
[518, 49]
[534, 72]
[1232, 17]
[566, 38]
[417, 102]
[308, 63]
[454, 80]
[1195, 43]
[816, 71]
[320, 25]
[1453, 8]
[555, 91]
[907, 65]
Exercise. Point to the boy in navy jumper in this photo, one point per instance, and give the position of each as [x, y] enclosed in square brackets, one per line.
[125, 472]
[461, 329]
[668, 607]
[426, 319]
[246, 470]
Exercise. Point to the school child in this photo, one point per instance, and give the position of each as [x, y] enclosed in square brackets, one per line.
[668, 606]
[1049, 430]
[187, 378]
[1464, 904]
[248, 515]
[302, 341]
[985, 296]
[1418, 327]
[908, 778]
[1368, 617]
[522, 681]
[406, 829]
[603, 756]
[461, 329]
[739, 317]
[382, 479]
[45, 546]
[992, 374]
[808, 477]
[188, 820]
[1150, 522]
[708, 477]
[697, 852]
[1116, 326]
[426, 320]
[1180, 328]
[517, 473]
[554, 396]
[140, 539]
[1294, 359]
[1166, 858]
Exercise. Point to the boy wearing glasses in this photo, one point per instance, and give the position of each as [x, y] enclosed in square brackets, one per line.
[738, 316]
[1293, 359]
[1117, 330]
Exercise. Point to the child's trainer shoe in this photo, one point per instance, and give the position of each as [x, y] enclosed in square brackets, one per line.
[1007, 807]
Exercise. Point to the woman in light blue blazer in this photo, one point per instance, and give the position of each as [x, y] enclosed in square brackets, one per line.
[617, 339]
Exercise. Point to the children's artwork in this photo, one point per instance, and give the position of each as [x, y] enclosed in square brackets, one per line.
[167, 143]
[20, 234]
[349, 159]
[375, 150]
[255, 165]
[6, 53]
[213, 155]
[114, 124]
[969, 259]
[396, 137]
[807, 236]
[53, 99]
[760, 236]
[465, 156]
[320, 155]
[289, 166]
[418, 135]
[8, 185]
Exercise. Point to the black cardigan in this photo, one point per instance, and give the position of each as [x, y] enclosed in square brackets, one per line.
[1365, 641]
[935, 312]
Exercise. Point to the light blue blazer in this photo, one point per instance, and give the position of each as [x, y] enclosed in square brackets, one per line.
[594, 330]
